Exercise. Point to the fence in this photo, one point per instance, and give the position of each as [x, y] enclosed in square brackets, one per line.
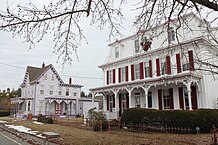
[115, 125]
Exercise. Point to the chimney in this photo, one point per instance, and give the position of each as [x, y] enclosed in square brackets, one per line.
[43, 65]
[70, 81]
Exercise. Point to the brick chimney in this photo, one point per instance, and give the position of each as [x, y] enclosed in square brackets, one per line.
[70, 81]
[43, 65]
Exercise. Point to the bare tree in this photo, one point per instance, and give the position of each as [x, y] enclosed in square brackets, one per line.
[62, 18]
[154, 12]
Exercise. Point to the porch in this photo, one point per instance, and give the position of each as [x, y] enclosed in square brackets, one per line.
[163, 93]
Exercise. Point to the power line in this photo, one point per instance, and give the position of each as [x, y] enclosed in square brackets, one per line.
[83, 77]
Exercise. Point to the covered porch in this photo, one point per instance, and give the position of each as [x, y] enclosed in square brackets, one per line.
[61, 106]
[163, 93]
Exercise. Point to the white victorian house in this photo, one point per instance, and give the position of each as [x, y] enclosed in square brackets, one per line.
[154, 69]
[44, 92]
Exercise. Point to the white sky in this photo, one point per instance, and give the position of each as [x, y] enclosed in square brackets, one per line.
[13, 51]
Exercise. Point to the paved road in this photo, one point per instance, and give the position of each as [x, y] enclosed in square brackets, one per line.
[12, 137]
[4, 140]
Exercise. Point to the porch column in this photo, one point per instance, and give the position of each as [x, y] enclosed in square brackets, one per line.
[189, 99]
[104, 103]
[116, 102]
[146, 88]
[93, 100]
[129, 89]
[188, 85]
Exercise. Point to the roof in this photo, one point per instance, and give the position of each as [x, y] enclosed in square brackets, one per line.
[35, 72]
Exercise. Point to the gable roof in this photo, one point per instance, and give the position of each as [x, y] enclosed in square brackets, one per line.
[35, 73]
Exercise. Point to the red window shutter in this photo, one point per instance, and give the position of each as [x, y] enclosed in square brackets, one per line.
[181, 100]
[127, 74]
[114, 76]
[160, 99]
[168, 65]
[171, 98]
[113, 101]
[127, 100]
[120, 104]
[107, 77]
[178, 63]
[132, 72]
[141, 70]
[119, 75]
[191, 60]
[158, 66]
[150, 68]
[108, 102]
[194, 98]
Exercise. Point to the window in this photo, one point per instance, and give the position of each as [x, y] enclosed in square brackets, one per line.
[45, 76]
[74, 93]
[67, 91]
[110, 76]
[171, 34]
[163, 67]
[123, 74]
[111, 103]
[137, 46]
[185, 62]
[60, 91]
[147, 70]
[137, 100]
[149, 100]
[28, 106]
[41, 91]
[137, 71]
[50, 90]
[116, 52]
[166, 99]
[186, 98]
[52, 77]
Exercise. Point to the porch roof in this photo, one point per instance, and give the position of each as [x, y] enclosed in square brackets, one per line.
[151, 81]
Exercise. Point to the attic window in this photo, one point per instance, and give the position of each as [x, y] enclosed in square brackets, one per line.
[45, 76]
[116, 52]
[136, 45]
[52, 77]
[171, 34]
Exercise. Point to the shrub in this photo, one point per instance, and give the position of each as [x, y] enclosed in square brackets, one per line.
[4, 113]
[95, 119]
[203, 118]
[44, 119]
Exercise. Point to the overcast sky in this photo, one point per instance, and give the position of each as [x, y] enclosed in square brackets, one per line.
[15, 56]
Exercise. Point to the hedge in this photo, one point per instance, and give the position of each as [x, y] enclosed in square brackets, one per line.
[203, 118]
[45, 119]
[4, 113]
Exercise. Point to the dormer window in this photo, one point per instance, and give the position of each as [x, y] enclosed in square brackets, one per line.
[137, 46]
[117, 52]
[171, 34]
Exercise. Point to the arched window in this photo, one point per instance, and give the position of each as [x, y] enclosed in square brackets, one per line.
[28, 106]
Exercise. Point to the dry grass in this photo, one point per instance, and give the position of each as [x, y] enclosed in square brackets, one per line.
[9, 119]
[76, 136]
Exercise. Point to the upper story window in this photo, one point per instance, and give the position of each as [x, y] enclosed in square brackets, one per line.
[117, 52]
[45, 76]
[137, 71]
[163, 66]
[147, 70]
[41, 89]
[60, 91]
[52, 77]
[136, 45]
[67, 91]
[123, 74]
[50, 90]
[74, 93]
[171, 34]
[110, 76]
[185, 61]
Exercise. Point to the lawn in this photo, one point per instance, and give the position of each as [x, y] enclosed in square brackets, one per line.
[71, 135]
